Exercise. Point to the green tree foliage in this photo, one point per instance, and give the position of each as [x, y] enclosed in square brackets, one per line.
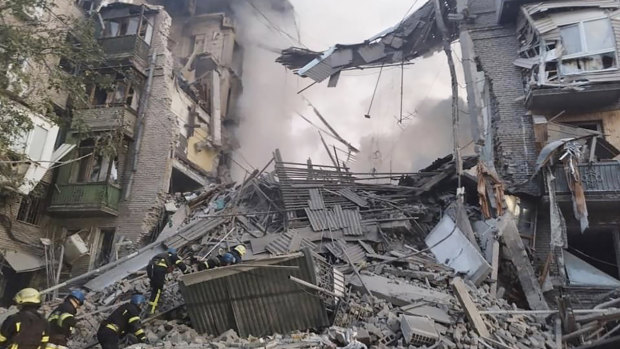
[43, 53]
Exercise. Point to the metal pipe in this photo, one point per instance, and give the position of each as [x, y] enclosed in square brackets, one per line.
[216, 245]
[140, 126]
[312, 286]
[93, 272]
[344, 251]
[60, 260]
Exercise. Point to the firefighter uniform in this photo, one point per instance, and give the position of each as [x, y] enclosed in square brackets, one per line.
[233, 256]
[125, 319]
[157, 269]
[27, 329]
[62, 320]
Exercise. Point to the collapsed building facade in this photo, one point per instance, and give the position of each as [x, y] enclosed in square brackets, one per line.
[174, 88]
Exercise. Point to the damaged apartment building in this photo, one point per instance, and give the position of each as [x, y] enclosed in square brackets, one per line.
[542, 81]
[176, 82]
[175, 71]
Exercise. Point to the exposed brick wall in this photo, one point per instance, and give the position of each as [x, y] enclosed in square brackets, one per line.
[140, 212]
[496, 48]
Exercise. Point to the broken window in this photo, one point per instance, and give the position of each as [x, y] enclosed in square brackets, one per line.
[146, 31]
[30, 210]
[93, 167]
[128, 26]
[198, 44]
[588, 46]
[104, 252]
[122, 93]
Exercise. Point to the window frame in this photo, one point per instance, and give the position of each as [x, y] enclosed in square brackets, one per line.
[30, 210]
[586, 52]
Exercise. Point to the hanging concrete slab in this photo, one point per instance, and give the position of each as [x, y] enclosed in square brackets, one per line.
[23, 261]
[453, 249]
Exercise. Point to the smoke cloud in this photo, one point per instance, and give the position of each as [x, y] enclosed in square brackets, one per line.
[269, 104]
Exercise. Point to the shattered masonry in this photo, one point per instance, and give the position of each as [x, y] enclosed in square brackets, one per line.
[527, 257]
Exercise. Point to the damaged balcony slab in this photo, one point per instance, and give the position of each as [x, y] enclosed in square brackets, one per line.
[573, 98]
[399, 293]
[413, 37]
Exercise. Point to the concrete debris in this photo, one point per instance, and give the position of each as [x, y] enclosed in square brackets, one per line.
[398, 289]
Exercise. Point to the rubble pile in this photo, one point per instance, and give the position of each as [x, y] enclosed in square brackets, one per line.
[417, 272]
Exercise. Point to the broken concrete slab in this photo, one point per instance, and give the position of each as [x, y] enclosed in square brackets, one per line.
[513, 250]
[398, 292]
[452, 248]
[433, 312]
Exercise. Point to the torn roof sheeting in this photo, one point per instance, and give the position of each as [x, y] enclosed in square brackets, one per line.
[416, 35]
[256, 297]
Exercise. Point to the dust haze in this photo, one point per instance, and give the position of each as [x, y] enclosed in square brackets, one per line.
[269, 103]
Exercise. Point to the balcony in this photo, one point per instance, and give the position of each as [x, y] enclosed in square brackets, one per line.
[125, 47]
[600, 180]
[107, 118]
[562, 98]
[79, 199]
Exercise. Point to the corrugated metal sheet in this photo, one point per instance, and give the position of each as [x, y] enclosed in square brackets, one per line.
[353, 197]
[316, 200]
[544, 25]
[257, 301]
[347, 220]
[184, 235]
[318, 69]
[354, 220]
[355, 252]
[288, 242]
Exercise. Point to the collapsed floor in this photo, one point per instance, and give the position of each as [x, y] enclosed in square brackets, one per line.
[421, 267]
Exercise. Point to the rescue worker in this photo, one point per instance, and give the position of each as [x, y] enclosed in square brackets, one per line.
[157, 269]
[62, 320]
[28, 328]
[123, 320]
[233, 256]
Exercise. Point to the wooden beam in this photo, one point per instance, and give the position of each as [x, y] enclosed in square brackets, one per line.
[470, 308]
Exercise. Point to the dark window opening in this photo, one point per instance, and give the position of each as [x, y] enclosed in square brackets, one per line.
[128, 26]
[121, 93]
[93, 167]
[30, 210]
[596, 247]
[106, 248]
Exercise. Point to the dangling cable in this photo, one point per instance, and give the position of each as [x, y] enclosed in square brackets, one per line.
[367, 115]
[402, 78]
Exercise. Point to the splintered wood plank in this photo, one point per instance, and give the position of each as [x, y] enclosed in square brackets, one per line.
[470, 308]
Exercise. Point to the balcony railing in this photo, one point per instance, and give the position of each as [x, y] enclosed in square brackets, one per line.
[125, 47]
[106, 118]
[86, 198]
[597, 178]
